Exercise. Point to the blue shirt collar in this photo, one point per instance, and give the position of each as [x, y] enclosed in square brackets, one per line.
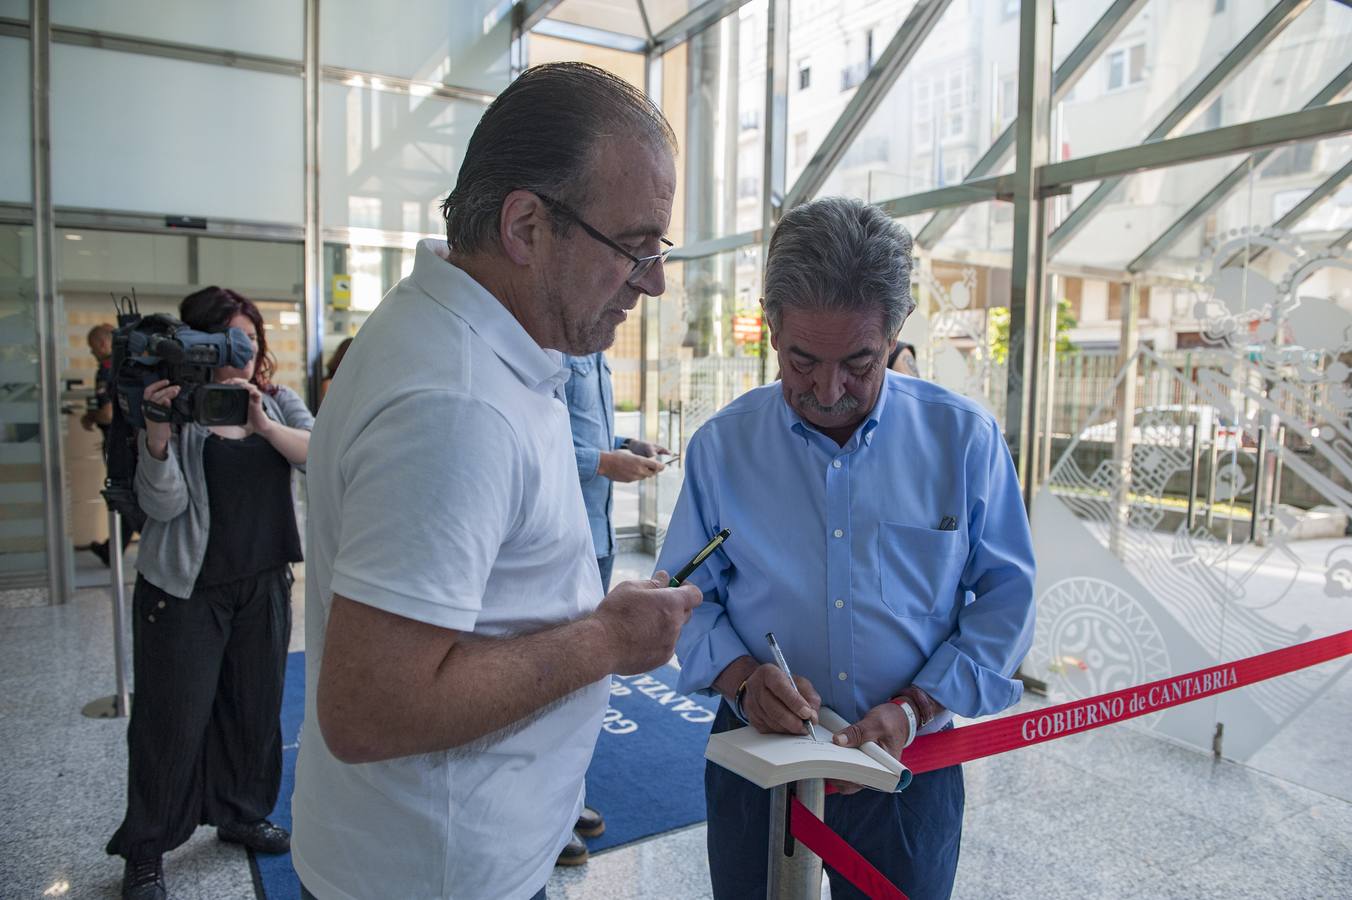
[804, 429]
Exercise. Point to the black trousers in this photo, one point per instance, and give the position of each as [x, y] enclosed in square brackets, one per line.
[204, 744]
[912, 838]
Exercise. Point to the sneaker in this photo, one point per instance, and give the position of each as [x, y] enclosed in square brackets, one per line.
[143, 879]
[590, 824]
[574, 853]
[261, 836]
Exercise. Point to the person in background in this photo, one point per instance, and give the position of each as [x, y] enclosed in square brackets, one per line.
[100, 414]
[602, 460]
[334, 360]
[902, 359]
[211, 612]
[866, 507]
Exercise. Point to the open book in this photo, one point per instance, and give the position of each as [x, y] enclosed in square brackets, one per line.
[769, 760]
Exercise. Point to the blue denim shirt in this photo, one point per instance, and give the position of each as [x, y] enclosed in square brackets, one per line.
[591, 410]
[902, 558]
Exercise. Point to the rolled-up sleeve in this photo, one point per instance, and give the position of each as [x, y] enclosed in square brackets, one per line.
[970, 672]
[588, 460]
[708, 643]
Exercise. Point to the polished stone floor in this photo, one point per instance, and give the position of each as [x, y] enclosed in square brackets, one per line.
[1113, 814]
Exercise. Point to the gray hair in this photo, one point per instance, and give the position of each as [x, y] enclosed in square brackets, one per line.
[541, 134]
[839, 254]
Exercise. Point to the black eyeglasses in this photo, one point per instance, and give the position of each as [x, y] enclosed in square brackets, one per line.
[642, 264]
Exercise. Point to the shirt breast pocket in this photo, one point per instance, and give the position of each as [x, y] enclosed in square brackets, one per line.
[581, 394]
[919, 569]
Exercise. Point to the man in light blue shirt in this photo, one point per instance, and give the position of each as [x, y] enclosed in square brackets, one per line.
[602, 458]
[877, 529]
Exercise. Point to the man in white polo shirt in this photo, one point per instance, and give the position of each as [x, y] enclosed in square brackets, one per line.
[458, 646]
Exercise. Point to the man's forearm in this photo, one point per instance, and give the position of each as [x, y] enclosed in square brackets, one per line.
[479, 686]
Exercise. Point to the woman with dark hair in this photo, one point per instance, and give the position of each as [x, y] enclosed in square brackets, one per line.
[334, 360]
[212, 612]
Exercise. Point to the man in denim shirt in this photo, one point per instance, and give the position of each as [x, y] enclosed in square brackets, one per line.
[602, 458]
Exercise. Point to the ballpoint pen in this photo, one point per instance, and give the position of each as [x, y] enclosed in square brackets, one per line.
[784, 667]
[679, 578]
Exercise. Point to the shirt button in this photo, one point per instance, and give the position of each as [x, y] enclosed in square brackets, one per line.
[840, 604]
[835, 464]
[151, 617]
[838, 533]
[160, 604]
[842, 676]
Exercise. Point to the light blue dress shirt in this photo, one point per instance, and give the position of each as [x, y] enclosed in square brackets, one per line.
[840, 552]
[591, 411]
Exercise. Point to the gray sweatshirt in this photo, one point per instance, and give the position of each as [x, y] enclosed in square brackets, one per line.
[173, 494]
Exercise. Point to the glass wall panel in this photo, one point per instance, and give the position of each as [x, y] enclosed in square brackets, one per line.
[719, 80]
[621, 16]
[14, 9]
[1197, 505]
[832, 47]
[464, 44]
[662, 13]
[237, 156]
[1275, 186]
[389, 159]
[250, 26]
[705, 361]
[544, 49]
[23, 548]
[1169, 47]
[16, 138]
[958, 95]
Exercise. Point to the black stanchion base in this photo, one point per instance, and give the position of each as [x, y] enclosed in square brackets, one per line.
[104, 708]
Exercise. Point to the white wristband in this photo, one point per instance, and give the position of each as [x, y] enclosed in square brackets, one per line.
[910, 720]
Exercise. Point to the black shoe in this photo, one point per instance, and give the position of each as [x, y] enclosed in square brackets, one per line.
[574, 853]
[590, 824]
[143, 879]
[261, 836]
[100, 549]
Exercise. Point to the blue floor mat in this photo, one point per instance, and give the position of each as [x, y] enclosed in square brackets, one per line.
[647, 776]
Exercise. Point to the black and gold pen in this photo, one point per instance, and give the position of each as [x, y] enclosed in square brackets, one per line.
[679, 578]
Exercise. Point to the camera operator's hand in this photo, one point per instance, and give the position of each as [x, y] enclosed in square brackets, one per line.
[643, 619]
[161, 393]
[259, 423]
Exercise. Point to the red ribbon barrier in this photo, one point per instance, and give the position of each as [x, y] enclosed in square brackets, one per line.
[814, 834]
[960, 745]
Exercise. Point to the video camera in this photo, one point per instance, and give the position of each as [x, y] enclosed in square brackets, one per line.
[159, 347]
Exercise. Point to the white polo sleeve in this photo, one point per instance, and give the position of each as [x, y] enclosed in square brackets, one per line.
[432, 487]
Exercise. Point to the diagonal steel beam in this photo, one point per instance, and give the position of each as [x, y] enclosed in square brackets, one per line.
[1071, 70]
[1341, 240]
[533, 12]
[1317, 196]
[1187, 109]
[693, 22]
[893, 61]
[1226, 185]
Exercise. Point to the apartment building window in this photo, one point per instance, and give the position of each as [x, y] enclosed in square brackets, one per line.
[1296, 160]
[749, 119]
[941, 101]
[804, 74]
[1214, 114]
[1010, 9]
[1126, 67]
[1219, 7]
[800, 148]
[748, 187]
[1009, 99]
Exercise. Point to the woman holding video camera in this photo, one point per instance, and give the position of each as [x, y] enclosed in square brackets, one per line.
[212, 612]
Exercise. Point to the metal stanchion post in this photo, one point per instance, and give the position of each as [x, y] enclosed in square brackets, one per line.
[795, 872]
[1192, 474]
[119, 704]
[1257, 509]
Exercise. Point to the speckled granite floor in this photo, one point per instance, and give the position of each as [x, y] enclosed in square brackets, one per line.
[1113, 814]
